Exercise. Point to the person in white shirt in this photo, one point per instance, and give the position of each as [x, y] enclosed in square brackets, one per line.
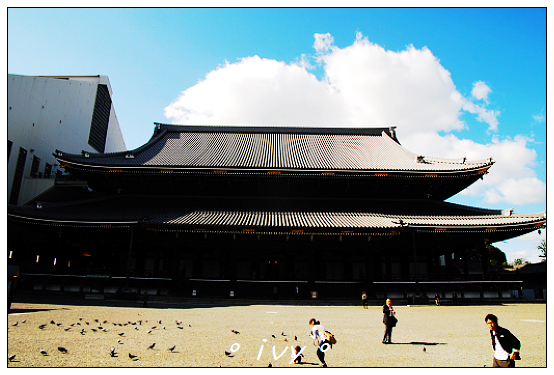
[319, 335]
[505, 345]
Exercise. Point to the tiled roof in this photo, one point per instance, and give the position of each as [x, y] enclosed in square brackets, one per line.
[243, 148]
[334, 220]
[269, 213]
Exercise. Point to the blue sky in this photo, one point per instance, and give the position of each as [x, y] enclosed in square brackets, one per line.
[455, 82]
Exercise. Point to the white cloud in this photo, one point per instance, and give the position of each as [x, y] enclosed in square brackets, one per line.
[483, 114]
[539, 118]
[511, 180]
[525, 246]
[323, 43]
[366, 86]
[481, 91]
[256, 91]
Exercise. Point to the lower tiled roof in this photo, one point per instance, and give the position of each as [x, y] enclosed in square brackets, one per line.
[269, 213]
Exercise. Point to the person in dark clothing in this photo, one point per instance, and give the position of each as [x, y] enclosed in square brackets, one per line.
[389, 320]
[505, 345]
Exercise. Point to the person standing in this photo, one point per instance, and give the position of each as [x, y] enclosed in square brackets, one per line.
[389, 320]
[318, 333]
[364, 300]
[505, 345]
[437, 299]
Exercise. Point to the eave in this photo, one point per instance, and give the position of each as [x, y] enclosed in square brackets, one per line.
[348, 221]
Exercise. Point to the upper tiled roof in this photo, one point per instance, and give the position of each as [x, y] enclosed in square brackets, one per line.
[283, 148]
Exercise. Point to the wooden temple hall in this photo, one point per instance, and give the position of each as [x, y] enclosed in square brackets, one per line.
[246, 211]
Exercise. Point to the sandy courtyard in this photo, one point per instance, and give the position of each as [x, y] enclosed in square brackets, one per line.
[453, 336]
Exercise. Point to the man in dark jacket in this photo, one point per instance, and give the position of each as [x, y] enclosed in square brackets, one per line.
[389, 320]
[505, 345]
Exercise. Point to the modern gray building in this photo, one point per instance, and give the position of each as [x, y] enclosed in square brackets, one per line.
[55, 112]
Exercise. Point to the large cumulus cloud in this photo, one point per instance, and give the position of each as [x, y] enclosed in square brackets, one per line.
[365, 85]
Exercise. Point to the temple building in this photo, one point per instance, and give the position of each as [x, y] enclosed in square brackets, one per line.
[249, 211]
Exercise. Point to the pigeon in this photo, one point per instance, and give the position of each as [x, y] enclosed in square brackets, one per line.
[133, 357]
[52, 322]
[93, 330]
[43, 352]
[159, 322]
[121, 334]
[112, 352]
[270, 365]
[283, 334]
[172, 348]
[105, 321]
[59, 324]
[96, 320]
[424, 349]
[136, 328]
[178, 322]
[11, 358]
[24, 321]
[295, 338]
[148, 331]
[152, 346]
[42, 326]
[179, 327]
[154, 327]
[235, 332]
[15, 324]
[62, 349]
[67, 329]
[119, 341]
[273, 336]
[190, 325]
[228, 354]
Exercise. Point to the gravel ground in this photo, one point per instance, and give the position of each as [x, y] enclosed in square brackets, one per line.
[426, 336]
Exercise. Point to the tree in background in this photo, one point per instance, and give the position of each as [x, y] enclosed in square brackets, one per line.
[542, 248]
[496, 256]
[518, 262]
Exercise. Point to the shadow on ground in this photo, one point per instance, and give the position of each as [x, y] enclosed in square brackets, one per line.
[417, 343]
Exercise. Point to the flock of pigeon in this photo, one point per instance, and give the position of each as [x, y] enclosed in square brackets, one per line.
[84, 327]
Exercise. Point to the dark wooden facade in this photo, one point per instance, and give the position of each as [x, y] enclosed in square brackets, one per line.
[218, 224]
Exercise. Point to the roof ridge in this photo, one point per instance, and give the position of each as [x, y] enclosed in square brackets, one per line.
[278, 129]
